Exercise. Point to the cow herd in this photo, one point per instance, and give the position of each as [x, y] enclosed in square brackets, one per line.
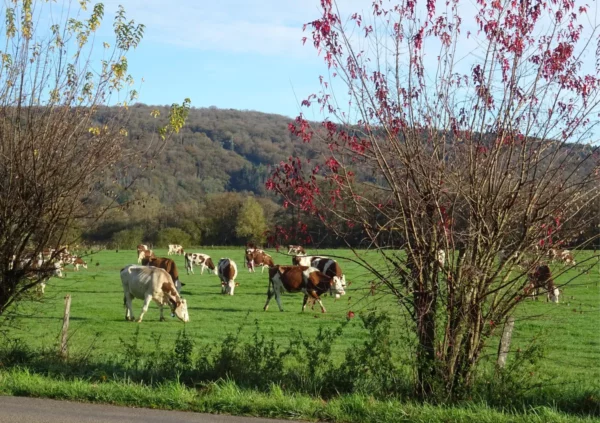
[157, 279]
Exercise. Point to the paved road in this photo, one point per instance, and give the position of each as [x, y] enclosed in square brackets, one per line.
[37, 410]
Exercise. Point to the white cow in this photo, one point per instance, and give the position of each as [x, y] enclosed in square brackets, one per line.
[57, 272]
[151, 283]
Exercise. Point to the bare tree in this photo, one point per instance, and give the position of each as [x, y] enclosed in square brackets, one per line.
[55, 148]
[466, 130]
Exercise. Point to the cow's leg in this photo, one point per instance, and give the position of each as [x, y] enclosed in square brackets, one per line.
[145, 307]
[316, 298]
[269, 295]
[128, 307]
[278, 297]
[202, 267]
[263, 269]
[304, 302]
[162, 316]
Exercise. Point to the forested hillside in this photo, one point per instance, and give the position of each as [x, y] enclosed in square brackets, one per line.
[208, 182]
[201, 178]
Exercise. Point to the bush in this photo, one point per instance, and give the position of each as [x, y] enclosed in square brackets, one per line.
[168, 236]
[128, 239]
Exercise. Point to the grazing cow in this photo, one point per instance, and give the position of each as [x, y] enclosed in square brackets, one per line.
[567, 257]
[198, 259]
[542, 278]
[332, 269]
[312, 282]
[47, 270]
[151, 283]
[74, 260]
[296, 249]
[175, 249]
[145, 254]
[166, 264]
[256, 257]
[79, 262]
[227, 271]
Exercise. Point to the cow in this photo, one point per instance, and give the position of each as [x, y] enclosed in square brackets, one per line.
[256, 257]
[151, 283]
[198, 259]
[145, 254]
[305, 260]
[227, 271]
[296, 249]
[175, 249]
[332, 269]
[75, 261]
[166, 264]
[312, 282]
[47, 270]
[142, 247]
[567, 257]
[542, 278]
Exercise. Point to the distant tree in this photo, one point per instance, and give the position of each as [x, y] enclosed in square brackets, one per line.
[58, 140]
[172, 236]
[128, 239]
[251, 224]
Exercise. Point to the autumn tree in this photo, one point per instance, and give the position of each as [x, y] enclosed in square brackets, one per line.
[475, 125]
[56, 141]
[251, 224]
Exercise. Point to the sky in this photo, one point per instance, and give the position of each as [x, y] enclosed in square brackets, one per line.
[240, 54]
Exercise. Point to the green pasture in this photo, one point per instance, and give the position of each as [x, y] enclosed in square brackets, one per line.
[569, 331]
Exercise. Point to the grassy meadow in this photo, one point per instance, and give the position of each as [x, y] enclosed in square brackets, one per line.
[567, 334]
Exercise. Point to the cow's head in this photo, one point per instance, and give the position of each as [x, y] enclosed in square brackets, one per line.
[209, 263]
[181, 310]
[340, 281]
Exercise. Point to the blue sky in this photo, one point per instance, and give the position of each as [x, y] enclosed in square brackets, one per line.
[241, 54]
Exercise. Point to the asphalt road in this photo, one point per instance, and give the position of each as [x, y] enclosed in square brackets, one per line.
[37, 410]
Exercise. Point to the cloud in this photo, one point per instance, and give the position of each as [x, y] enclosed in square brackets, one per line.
[265, 27]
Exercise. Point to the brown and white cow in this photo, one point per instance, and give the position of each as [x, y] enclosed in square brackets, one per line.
[296, 249]
[332, 269]
[305, 260]
[142, 247]
[312, 282]
[198, 259]
[79, 262]
[255, 257]
[151, 283]
[166, 264]
[175, 249]
[145, 254]
[541, 278]
[227, 271]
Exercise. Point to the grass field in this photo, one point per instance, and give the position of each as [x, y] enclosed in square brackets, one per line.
[569, 332]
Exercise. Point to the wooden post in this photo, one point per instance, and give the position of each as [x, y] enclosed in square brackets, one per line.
[64, 349]
[504, 346]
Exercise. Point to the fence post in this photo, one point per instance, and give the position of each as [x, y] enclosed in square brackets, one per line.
[64, 348]
[504, 346]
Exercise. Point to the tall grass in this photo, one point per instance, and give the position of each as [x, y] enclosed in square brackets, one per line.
[305, 366]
